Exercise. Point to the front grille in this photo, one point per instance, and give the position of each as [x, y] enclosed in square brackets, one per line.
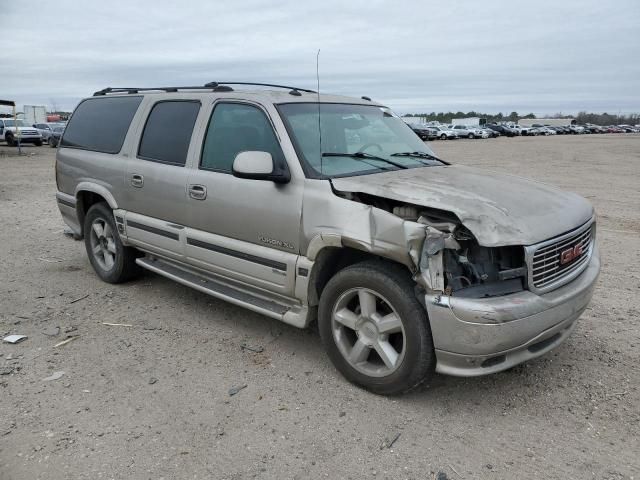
[28, 132]
[547, 267]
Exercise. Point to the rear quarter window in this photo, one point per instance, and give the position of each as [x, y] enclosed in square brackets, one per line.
[101, 124]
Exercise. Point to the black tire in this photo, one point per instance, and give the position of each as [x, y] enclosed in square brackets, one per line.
[53, 143]
[443, 137]
[394, 284]
[9, 139]
[124, 265]
[471, 135]
[38, 143]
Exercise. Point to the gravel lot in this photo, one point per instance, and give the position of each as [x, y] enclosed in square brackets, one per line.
[151, 401]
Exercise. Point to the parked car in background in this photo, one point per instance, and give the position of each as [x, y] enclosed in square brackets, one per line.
[45, 129]
[543, 129]
[527, 131]
[462, 131]
[56, 133]
[12, 131]
[425, 132]
[445, 133]
[576, 129]
[490, 133]
[478, 132]
[502, 130]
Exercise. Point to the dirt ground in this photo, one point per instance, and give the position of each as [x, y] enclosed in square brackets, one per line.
[151, 401]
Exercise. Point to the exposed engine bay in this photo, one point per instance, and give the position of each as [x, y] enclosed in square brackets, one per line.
[452, 261]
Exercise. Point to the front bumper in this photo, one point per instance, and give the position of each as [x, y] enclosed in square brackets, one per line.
[481, 336]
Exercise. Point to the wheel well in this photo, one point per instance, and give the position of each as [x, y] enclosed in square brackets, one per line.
[84, 201]
[331, 260]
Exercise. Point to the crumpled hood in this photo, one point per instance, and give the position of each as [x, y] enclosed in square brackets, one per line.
[499, 209]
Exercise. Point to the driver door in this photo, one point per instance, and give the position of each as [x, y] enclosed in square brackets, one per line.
[245, 229]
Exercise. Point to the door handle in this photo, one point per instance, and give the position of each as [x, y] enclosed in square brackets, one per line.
[137, 180]
[198, 192]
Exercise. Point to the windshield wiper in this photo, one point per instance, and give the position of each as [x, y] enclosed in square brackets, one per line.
[363, 156]
[418, 155]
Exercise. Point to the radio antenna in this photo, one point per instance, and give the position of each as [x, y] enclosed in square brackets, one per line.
[319, 122]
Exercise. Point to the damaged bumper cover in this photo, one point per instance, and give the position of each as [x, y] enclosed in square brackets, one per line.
[481, 336]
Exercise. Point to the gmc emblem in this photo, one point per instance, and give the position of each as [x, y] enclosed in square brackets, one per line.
[570, 254]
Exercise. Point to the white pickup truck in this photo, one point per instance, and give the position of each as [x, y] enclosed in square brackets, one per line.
[14, 131]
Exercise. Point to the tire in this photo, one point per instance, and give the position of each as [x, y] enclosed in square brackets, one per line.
[112, 261]
[470, 136]
[10, 141]
[38, 143]
[53, 143]
[405, 342]
[443, 137]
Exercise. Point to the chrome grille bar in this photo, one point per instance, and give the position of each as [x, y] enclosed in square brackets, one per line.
[545, 271]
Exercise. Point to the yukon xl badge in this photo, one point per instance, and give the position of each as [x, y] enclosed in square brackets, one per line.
[275, 243]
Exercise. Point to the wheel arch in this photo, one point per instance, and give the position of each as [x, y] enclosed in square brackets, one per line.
[331, 259]
[88, 194]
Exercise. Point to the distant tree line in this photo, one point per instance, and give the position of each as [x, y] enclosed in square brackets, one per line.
[580, 118]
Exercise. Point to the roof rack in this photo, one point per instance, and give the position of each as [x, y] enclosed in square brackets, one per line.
[214, 86]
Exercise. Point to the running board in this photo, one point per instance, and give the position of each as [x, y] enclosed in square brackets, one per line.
[232, 292]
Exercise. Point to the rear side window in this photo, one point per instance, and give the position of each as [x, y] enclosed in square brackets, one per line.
[235, 128]
[100, 124]
[168, 132]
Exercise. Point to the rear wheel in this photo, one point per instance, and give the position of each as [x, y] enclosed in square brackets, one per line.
[374, 330]
[470, 135]
[443, 137]
[111, 260]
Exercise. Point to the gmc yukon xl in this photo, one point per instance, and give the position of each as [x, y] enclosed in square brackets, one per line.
[307, 207]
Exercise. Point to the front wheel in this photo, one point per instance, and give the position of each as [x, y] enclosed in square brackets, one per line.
[374, 330]
[443, 137]
[111, 260]
[10, 141]
[38, 143]
[470, 135]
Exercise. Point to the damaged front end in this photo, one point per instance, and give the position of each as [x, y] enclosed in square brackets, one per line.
[448, 258]
[452, 262]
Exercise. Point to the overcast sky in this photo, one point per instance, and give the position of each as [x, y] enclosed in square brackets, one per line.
[530, 56]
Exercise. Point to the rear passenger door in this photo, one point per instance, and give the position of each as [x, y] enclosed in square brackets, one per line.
[156, 177]
[245, 229]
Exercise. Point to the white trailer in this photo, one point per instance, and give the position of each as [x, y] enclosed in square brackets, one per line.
[35, 114]
[470, 121]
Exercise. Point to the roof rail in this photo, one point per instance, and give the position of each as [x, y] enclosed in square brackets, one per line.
[214, 86]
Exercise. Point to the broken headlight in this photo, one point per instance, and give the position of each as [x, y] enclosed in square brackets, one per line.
[476, 271]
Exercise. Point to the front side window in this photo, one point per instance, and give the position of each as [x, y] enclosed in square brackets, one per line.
[235, 128]
[168, 130]
[101, 124]
[356, 139]
[13, 123]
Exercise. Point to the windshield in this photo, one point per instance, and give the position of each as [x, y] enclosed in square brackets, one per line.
[12, 123]
[356, 139]
[58, 128]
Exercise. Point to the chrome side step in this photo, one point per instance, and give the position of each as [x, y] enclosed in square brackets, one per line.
[228, 290]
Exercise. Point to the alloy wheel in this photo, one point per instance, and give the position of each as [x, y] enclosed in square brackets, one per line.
[103, 244]
[368, 332]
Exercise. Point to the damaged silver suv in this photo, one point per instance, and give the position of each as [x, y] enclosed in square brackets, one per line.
[302, 206]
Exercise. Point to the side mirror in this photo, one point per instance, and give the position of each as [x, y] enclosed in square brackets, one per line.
[257, 165]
